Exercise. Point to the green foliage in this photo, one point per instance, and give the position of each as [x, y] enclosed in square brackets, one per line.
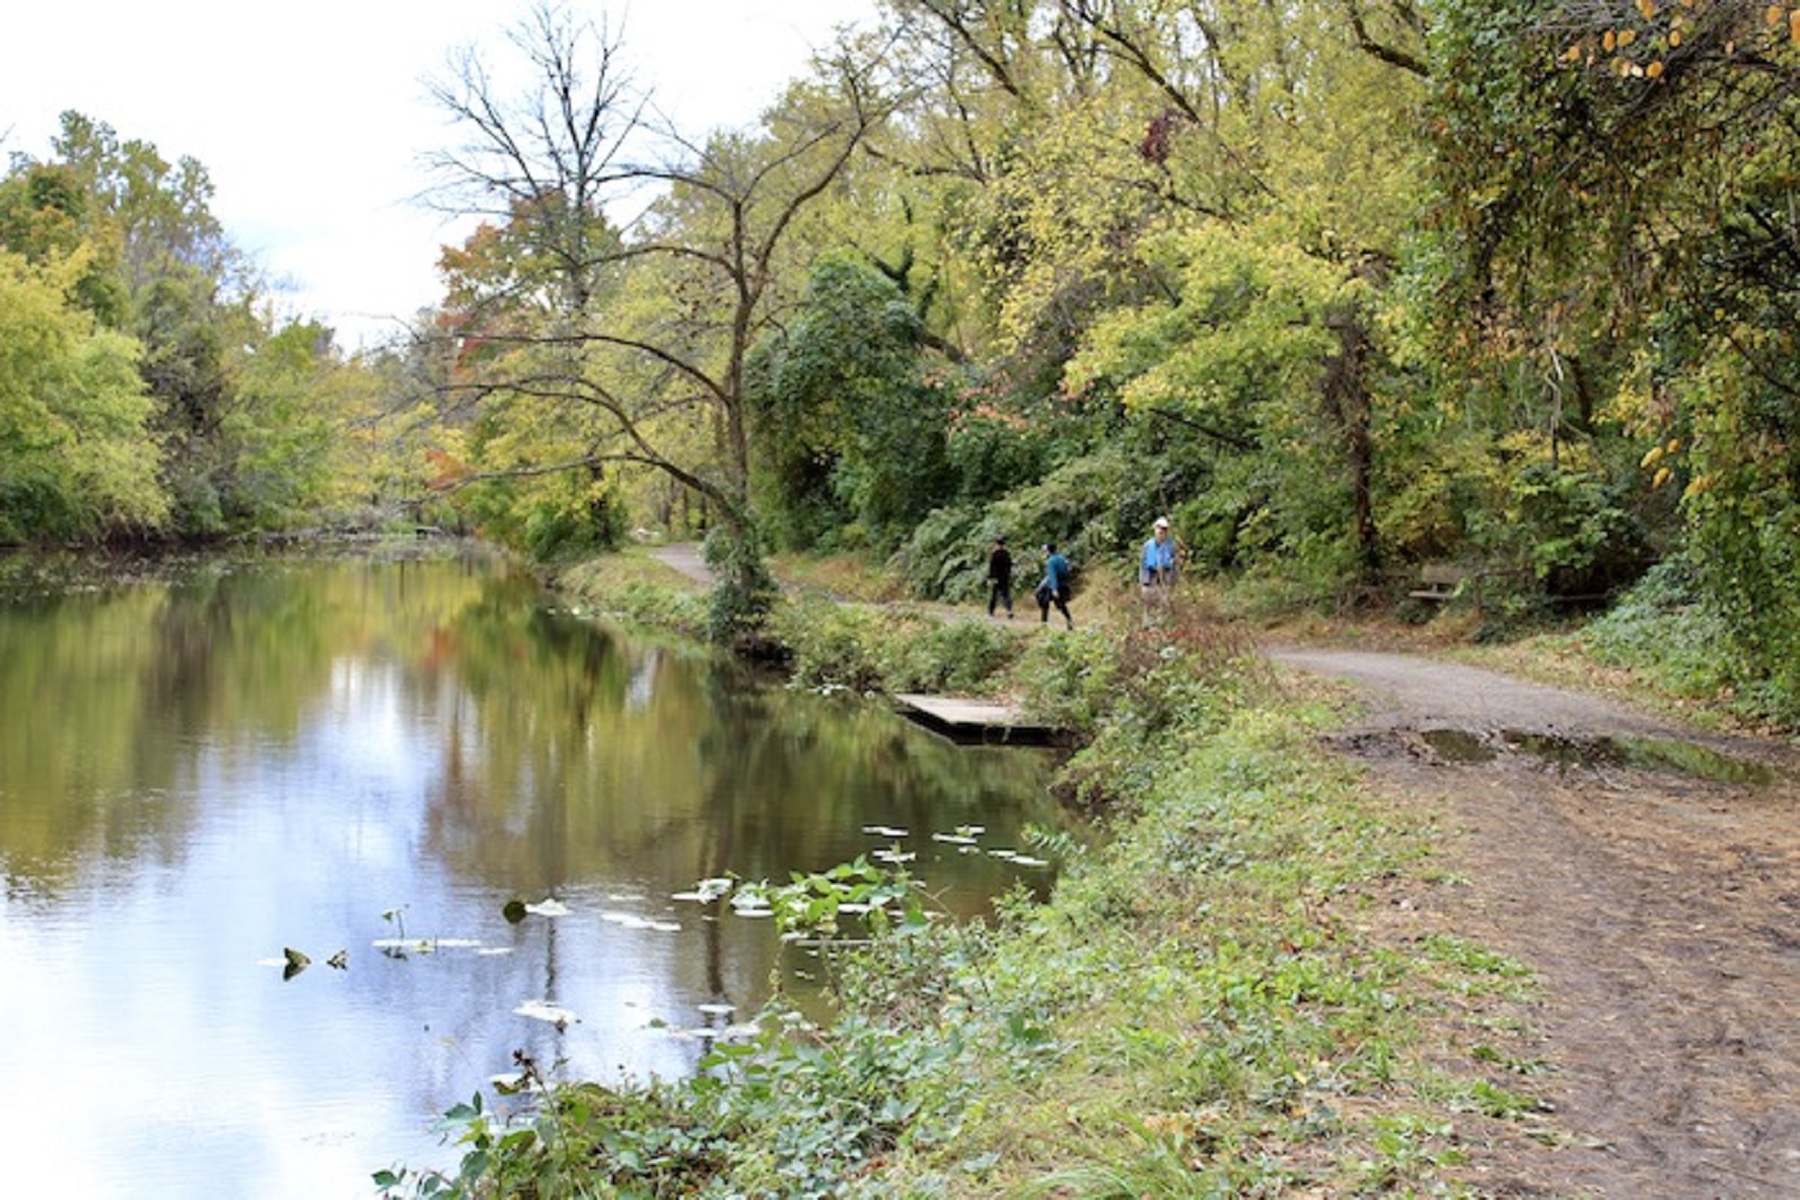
[1638, 293]
[846, 429]
[745, 592]
[958, 656]
[282, 441]
[247, 425]
[553, 518]
[992, 453]
[1069, 682]
[1074, 506]
[1574, 531]
[946, 556]
[1182, 676]
[76, 457]
[1667, 629]
[868, 649]
[832, 645]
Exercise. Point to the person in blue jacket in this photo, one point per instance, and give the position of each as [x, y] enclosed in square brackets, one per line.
[1156, 568]
[1055, 588]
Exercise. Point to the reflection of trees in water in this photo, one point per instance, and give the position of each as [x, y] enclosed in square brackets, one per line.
[589, 756]
[537, 755]
[133, 688]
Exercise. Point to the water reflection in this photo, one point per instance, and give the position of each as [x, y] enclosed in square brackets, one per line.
[198, 772]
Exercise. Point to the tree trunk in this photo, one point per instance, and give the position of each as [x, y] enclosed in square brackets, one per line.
[1349, 407]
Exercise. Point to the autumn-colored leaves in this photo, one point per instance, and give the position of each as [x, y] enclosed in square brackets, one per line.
[1644, 46]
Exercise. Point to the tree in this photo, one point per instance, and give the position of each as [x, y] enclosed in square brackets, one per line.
[1115, 153]
[162, 271]
[849, 430]
[286, 437]
[1654, 282]
[631, 339]
[76, 459]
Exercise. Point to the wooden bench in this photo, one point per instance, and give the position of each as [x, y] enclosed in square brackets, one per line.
[1442, 581]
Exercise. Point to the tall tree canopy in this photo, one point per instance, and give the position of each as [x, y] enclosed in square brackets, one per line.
[185, 407]
[631, 343]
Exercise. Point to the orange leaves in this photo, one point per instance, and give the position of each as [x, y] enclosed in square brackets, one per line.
[447, 471]
[1643, 39]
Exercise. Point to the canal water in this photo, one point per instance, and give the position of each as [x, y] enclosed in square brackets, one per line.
[261, 824]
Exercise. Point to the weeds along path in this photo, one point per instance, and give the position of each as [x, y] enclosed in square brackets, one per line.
[1650, 877]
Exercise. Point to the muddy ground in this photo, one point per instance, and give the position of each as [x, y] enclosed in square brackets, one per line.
[1650, 877]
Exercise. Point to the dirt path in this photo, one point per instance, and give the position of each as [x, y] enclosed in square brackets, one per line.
[686, 558]
[1651, 878]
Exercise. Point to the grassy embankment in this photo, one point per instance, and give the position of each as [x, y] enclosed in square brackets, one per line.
[1224, 999]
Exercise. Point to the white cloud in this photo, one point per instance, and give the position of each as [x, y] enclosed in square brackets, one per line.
[311, 120]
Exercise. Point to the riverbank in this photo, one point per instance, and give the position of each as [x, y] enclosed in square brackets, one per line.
[1279, 977]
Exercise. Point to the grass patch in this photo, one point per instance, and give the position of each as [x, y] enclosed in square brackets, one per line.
[635, 589]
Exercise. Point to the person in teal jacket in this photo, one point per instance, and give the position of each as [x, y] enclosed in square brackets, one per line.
[1055, 588]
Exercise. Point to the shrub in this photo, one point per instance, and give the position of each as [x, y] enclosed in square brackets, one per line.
[953, 656]
[830, 645]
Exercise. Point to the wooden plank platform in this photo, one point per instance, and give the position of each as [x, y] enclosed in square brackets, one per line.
[966, 720]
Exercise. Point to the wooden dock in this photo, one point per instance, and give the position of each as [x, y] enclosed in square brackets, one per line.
[965, 720]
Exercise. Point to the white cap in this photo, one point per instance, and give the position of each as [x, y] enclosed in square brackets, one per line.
[1162, 522]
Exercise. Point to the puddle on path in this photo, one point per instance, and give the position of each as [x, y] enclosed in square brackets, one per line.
[1462, 748]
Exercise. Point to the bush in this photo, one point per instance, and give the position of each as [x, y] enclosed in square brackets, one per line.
[946, 556]
[831, 645]
[954, 656]
[745, 592]
[1665, 629]
[869, 650]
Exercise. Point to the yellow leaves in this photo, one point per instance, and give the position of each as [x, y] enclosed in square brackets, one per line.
[1647, 8]
[1775, 14]
[1654, 458]
[1654, 70]
[1794, 26]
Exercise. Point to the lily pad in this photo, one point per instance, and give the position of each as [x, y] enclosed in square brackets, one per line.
[544, 1010]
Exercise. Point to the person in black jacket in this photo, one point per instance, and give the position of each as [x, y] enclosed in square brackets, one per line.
[1000, 577]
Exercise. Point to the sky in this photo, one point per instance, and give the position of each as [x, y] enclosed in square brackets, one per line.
[311, 119]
